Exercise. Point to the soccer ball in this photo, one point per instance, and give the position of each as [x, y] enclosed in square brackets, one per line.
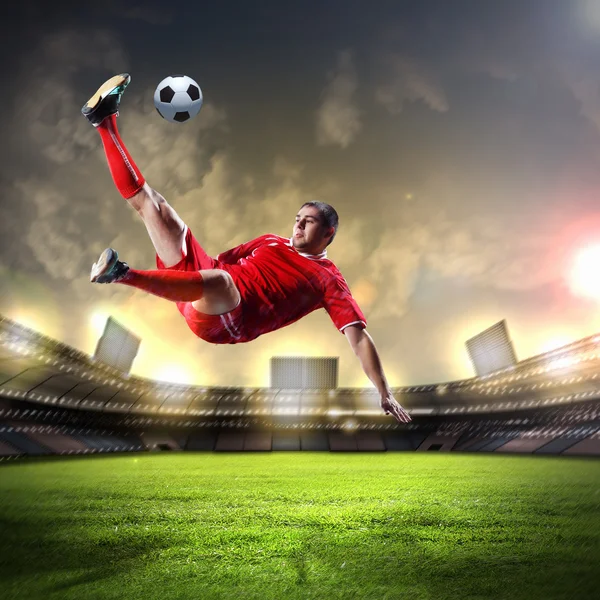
[178, 98]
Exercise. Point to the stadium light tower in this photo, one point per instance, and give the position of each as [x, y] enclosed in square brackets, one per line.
[117, 347]
[304, 373]
[491, 350]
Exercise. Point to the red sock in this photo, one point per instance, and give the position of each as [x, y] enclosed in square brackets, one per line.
[126, 175]
[178, 286]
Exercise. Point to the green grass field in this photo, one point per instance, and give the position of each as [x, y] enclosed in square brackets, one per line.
[300, 525]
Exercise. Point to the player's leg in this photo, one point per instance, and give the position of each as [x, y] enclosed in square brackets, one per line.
[211, 291]
[101, 110]
[165, 227]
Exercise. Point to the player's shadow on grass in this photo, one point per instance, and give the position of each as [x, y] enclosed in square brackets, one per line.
[31, 547]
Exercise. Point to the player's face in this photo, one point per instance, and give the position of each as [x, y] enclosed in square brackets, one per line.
[309, 234]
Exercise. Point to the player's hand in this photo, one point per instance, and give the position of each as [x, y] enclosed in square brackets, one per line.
[390, 406]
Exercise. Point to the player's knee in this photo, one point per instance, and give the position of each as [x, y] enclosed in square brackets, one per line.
[229, 289]
[226, 280]
[154, 197]
[216, 280]
[143, 199]
[220, 292]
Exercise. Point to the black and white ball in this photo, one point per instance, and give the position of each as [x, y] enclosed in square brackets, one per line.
[178, 98]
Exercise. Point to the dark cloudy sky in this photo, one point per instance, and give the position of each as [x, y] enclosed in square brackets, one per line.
[458, 140]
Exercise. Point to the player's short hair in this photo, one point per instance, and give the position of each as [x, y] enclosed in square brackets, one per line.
[328, 214]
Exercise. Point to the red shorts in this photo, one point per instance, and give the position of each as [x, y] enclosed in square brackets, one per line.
[216, 329]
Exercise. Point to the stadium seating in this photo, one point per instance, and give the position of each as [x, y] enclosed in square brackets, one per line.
[588, 446]
[57, 400]
[7, 450]
[160, 441]
[286, 440]
[23, 443]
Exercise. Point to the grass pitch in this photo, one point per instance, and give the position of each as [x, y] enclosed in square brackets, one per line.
[300, 525]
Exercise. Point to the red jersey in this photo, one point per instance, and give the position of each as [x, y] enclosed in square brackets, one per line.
[280, 285]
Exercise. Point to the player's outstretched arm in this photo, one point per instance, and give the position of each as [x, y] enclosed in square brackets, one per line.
[364, 348]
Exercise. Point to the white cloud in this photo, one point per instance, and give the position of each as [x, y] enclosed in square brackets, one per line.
[54, 233]
[283, 168]
[492, 253]
[584, 83]
[338, 118]
[410, 81]
[48, 107]
[68, 207]
[495, 253]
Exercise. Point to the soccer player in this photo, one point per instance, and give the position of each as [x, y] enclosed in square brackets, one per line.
[250, 290]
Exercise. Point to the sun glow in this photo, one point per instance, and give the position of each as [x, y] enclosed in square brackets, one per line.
[174, 374]
[98, 322]
[584, 277]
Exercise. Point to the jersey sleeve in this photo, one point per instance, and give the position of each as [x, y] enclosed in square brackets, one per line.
[232, 257]
[341, 306]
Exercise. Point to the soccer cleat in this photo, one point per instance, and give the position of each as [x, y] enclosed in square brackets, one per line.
[106, 100]
[108, 268]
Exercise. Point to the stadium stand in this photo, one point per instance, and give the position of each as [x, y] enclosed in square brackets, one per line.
[57, 442]
[7, 450]
[160, 441]
[258, 441]
[230, 441]
[57, 400]
[587, 446]
[201, 440]
[369, 441]
[23, 443]
[438, 442]
[286, 440]
[342, 442]
[314, 441]
[403, 441]
[524, 445]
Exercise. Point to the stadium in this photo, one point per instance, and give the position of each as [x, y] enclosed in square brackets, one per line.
[291, 490]
[57, 400]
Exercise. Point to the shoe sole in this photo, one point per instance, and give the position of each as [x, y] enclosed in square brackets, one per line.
[105, 89]
[104, 264]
